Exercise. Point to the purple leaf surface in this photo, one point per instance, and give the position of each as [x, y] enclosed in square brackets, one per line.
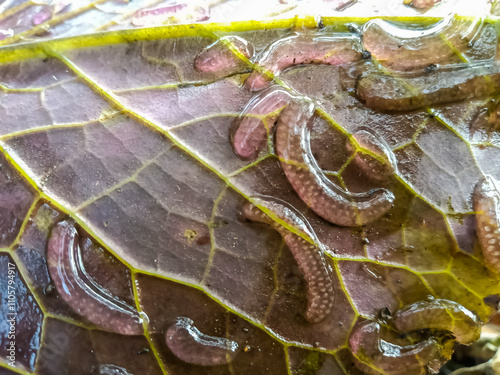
[127, 140]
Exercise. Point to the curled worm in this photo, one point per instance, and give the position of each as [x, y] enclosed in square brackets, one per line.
[329, 201]
[249, 131]
[369, 344]
[80, 292]
[306, 48]
[404, 49]
[487, 207]
[191, 346]
[311, 261]
[218, 57]
[379, 162]
[391, 93]
[440, 315]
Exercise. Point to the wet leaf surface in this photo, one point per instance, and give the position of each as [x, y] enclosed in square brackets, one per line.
[121, 134]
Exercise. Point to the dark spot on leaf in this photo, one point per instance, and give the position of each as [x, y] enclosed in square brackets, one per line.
[49, 290]
[203, 240]
[219, 224]
[385, 313]
[431, 68]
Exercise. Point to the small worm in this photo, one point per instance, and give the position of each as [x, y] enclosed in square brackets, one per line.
[392, 359]
[376, 169]
[424, 4]
[385, 92]
[440, 315]
[340, 5]
[403, 49]
[249, 132]
[305, 48]
[183, 13]
[218, 57]
[487, 206]
[80, 292]
[191, 346]
[288, 213]
[329, 201]
[311, 261]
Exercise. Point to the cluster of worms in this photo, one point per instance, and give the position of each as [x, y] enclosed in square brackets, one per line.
[416, 74]
[402, 342]
[418, 339]
[89, 299]
[370, 341]
[288, 118]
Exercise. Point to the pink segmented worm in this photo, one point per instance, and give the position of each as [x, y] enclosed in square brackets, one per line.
[440, 315]
[80, 292]
[374, 168]
[376, 353]
[391, 93]
[288, 213]
[340, 5]
[218, 57]
[189, 10]
[329, 201]
[402, 49]
[249, 133]
[191, 346]
[487, 206]
[311, 261]
[304, 48]
[424, 4]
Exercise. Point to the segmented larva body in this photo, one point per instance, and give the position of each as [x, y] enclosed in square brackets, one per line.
[304, 48]
[424, 4]
[189, 11]
[218, 57]
[440, 315]
[487, 207]
[249, 132]
[402, 49]
[377, 169]
[329, 201]
[391, 93]
[80, 292]
[378, 355]
[311, 261]
[191, 346]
